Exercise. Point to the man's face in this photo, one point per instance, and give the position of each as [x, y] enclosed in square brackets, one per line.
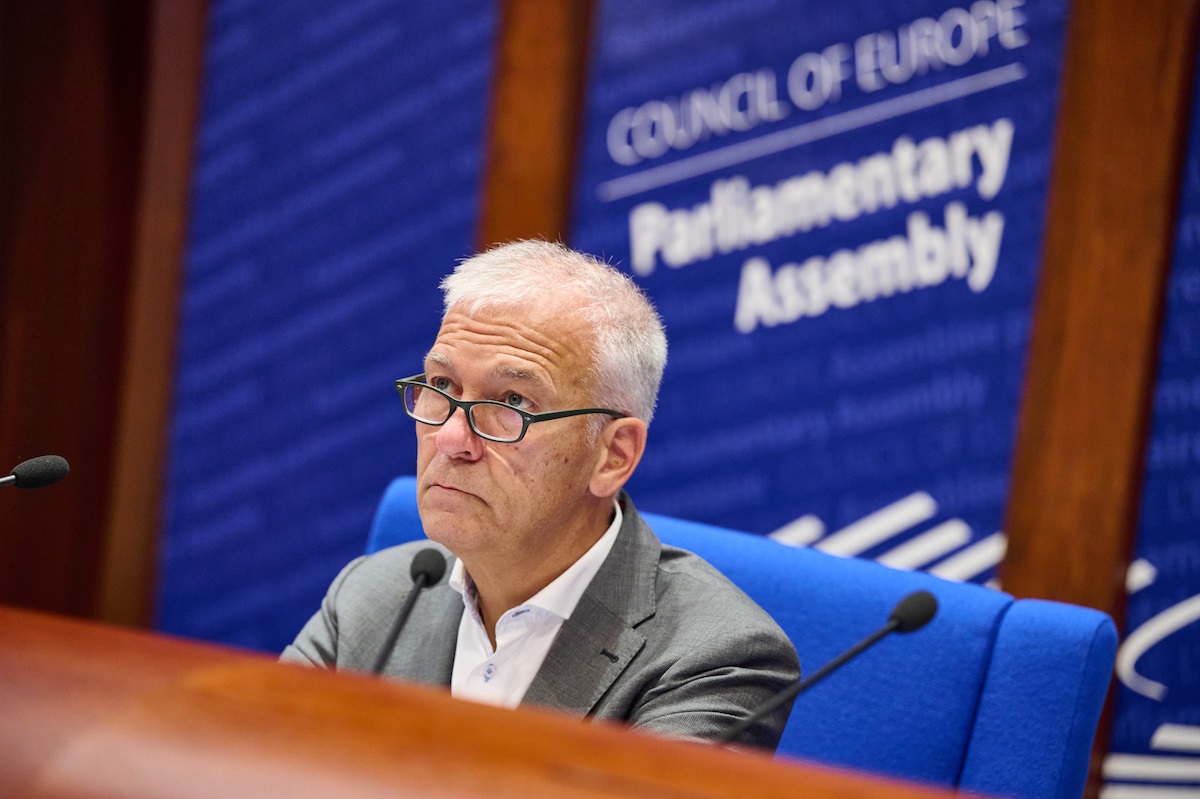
[510, 501]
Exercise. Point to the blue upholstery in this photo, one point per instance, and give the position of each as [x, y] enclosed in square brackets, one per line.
[995, 695]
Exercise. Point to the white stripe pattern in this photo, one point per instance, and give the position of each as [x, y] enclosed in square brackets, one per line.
[973, 560]
[879, 526]
[1177, 738]
[928, 546]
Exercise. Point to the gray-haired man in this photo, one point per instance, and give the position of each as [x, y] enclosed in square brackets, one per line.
[559, 594]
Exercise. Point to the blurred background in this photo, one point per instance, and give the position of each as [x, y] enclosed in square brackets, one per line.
[929, 270]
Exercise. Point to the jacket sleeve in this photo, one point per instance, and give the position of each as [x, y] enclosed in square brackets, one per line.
[718, 683]
[317, 642]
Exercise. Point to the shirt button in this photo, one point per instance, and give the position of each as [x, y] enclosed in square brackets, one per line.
[489, 672]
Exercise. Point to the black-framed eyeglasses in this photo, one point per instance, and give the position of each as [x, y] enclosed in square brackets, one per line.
[488, 419]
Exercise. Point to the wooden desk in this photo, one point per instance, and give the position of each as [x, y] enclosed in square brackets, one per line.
[93, 711]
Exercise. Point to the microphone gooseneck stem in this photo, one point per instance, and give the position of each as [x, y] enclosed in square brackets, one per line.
[8, 480]
[419, 583]
[793, 690]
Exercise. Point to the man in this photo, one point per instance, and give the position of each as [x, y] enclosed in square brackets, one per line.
[532, 413]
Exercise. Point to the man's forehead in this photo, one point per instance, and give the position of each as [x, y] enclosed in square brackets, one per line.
[529, 345]
[550, 311]
[541, 328]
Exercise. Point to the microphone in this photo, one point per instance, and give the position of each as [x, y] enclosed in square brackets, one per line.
[910, 614]
[37, 472]
[428, 566]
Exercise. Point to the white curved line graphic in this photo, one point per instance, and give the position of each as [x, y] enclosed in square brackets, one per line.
[1145, 637]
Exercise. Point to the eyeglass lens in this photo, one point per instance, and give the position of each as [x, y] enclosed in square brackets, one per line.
[493, 420]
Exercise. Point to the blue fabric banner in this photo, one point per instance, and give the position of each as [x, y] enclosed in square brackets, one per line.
[838, 209]
[336, 180]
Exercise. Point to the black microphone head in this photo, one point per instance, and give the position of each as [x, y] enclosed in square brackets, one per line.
[914, 611]
[431, 564]
[41, 471]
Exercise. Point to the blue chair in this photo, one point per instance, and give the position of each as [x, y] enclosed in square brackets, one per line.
[995, 695]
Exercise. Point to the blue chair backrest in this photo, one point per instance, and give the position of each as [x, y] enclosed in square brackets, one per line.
[995, 695]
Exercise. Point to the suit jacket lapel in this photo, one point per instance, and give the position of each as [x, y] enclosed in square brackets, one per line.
[598, 641]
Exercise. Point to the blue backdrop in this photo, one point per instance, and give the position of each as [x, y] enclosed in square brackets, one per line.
[838, 208]
[337, 176]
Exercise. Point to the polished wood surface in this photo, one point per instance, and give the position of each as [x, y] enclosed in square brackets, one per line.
[97, 711]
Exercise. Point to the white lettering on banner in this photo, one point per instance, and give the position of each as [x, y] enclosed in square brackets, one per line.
[742, 102]
[965, 249]
[814, 79]
[951, 40]
[738, 215]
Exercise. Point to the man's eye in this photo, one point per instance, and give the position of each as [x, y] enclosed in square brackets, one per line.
[440, 383]
[516, 400]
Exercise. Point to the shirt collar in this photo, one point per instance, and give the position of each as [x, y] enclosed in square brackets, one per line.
[563, 593]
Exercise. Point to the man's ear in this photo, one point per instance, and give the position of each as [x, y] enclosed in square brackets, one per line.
[621, 445]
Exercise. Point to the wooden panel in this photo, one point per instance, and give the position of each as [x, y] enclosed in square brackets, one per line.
[70, 107]
[537, 102]
[100, 712]
[94, 157]
[1117, 166]
[142, 421]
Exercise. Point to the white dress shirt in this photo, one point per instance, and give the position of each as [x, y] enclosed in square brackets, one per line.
[501, 676]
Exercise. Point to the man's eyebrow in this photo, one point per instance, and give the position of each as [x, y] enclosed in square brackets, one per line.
[437, 358]
[512, 373]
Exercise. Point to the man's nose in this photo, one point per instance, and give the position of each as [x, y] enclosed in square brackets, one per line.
[456, 439]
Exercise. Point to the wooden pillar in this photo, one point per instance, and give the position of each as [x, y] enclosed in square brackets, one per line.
[537, 104]
[1118, 162]
[142, 422]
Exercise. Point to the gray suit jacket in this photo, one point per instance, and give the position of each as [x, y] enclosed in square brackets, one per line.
[660, 639]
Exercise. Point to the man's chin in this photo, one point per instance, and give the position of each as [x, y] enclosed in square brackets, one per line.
[449, 512]
[451, 532]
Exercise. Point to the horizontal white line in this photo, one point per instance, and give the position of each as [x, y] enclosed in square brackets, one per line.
[928, 546]
[974, 559]
[801, 532]
[879, 526]
[734, 154]
[1148, 792]
[1158, 768]
[1176, 737]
